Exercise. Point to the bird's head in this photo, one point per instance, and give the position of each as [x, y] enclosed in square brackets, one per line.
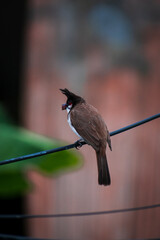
[72, 99]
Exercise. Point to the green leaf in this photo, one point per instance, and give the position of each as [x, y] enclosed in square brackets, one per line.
[15, 142]
[59, 162]
[13, 184]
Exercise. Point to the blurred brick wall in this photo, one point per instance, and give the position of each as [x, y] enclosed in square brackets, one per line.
[122, 95]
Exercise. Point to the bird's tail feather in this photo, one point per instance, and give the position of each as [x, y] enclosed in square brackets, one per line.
[103, 170]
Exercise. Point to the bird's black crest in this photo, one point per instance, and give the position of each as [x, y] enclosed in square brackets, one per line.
[66, 92]
[73, 97]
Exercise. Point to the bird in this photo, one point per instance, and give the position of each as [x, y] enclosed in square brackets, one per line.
[89, 126]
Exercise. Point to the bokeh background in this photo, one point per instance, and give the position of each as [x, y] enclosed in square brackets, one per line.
[108, 52]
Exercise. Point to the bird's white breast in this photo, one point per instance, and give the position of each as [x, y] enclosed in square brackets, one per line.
[69, 121]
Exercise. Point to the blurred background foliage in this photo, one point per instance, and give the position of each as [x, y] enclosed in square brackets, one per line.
[16, 141]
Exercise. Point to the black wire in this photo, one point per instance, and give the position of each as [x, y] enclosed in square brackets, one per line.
[76, 144]
[144, 239]
[8, 236]
[26, 216]
[38, 154]
[135, 124]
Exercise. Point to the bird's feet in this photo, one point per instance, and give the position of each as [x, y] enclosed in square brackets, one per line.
[79, 143]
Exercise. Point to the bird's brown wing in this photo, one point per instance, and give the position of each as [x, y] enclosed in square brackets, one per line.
[89, 125]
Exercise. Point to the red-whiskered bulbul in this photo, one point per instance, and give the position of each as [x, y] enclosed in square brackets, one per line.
[88, 124]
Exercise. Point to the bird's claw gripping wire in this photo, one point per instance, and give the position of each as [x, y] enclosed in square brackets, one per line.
[79, 143]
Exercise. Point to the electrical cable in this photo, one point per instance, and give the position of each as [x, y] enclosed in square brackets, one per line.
[80, 214]
[76, 144]
[9, 236]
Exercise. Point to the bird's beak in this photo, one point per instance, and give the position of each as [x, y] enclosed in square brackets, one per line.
[64, 106]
